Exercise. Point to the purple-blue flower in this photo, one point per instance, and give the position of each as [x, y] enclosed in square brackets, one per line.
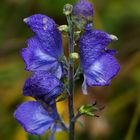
[83, 8]
[97, 62]
[36, 118]
[43, 86]
[83, 13]
[44, 51]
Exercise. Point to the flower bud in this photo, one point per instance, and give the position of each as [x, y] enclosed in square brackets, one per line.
[82, 13]
[67, 10]
[74, 55]
[87, 110]
[64, 28]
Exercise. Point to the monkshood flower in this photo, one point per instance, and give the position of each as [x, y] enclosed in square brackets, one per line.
[43, 86]
[37, 119]
[97, 62]
[83, 13]
[44, 51]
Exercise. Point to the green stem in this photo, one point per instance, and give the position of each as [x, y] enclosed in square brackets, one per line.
[71, 81]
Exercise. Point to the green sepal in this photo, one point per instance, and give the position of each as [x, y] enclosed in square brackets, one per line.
[88, 110]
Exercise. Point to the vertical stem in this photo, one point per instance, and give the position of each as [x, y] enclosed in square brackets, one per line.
[71, 81]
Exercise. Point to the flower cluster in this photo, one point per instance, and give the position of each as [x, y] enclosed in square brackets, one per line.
[44, 57]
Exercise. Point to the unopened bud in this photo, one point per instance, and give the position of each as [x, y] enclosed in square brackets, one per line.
[64, 28]
[86, 110]
[67, 10]
[74, 55]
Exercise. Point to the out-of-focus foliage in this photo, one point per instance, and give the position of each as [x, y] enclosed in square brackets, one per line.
[120, 120]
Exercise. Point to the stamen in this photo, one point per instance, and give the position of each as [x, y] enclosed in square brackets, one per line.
[26, 20]
[113, 37]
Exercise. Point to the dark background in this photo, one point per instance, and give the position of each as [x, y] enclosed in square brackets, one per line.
[120, 120]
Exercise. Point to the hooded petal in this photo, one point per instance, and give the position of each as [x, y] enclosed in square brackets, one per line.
[44, 86]
[33, 117]
[45, 48]
[102, 70]
[45, 29]
[92, 44]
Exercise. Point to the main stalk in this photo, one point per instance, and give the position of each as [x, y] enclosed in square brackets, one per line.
[71, 80]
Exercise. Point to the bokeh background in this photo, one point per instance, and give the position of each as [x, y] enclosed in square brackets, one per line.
[120, 120]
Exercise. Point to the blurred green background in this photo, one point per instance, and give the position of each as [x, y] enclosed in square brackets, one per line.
[120, 120]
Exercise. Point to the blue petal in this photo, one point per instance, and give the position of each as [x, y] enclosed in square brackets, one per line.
[33, 117]
[55, 128]
[102, 70]
[58, 72]
[92, 44]
[43, 85]
[84, 86]
[46, 30]
[37, 58]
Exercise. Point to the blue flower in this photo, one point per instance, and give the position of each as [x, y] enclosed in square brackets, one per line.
[97, 62]
[83, 8]
[44, 51]
[36, 118]
[83, 13]
[43, 86]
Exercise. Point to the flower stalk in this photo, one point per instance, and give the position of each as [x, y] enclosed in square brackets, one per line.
[71, 80]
